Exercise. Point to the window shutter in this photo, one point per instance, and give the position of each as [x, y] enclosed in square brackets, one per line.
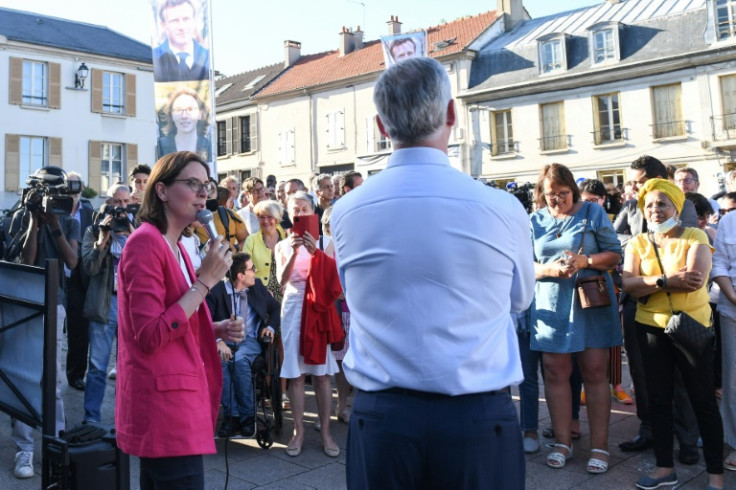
[12, 162]
[597, 115]
[55, 158]
[228, 136]
[494, 133]
[96, 91]
[728, 94]
[94, 169]
[253, 132]
[54, 86]
[370, 135]
[130, 94]
[16, 81]
[131, 157]
[236, 135]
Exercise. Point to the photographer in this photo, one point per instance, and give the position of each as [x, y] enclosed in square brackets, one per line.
[47, 231]
[101, 249]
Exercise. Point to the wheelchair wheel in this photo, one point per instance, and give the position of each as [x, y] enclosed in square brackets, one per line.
[264, 439]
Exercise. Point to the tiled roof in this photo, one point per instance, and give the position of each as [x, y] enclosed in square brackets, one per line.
[319, 69]
[40, 29]
[242, 86]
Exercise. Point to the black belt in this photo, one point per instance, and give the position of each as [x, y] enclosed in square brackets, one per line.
[429, 395]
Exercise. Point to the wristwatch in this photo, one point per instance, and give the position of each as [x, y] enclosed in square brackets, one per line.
[661, 282]
[590, 261]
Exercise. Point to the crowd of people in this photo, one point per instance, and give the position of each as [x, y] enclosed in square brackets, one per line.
[448, 310]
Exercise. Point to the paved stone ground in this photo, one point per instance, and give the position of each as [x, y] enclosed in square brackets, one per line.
[252, 467]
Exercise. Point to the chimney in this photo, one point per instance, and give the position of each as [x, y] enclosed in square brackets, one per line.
[346, 41]
[293, 52]
[513, 13]
[358, 39]
[394, 26]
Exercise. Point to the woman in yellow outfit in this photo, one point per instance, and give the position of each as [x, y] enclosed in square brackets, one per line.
[686, 259]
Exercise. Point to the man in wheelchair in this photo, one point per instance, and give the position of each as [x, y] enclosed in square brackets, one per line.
[240, 294]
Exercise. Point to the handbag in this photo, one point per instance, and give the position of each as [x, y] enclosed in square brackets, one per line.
[592, 290]
[685, 331]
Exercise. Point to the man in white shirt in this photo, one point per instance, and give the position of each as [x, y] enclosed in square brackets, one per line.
[256, 192]
[433, 264]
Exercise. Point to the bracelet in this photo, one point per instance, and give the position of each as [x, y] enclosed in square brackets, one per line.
[203, 284]
[194, 288]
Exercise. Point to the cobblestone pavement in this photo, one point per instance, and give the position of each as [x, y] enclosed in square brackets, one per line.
[252, 467]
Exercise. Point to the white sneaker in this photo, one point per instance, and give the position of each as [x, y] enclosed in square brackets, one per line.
[23, 464]
[113, 372]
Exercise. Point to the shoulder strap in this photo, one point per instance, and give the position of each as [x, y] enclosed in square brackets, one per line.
[585, 227]
[225, 219]
[661, 269]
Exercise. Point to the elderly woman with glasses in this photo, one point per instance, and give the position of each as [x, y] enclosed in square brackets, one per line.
[561, 327]
[667, 270]
[293, 259]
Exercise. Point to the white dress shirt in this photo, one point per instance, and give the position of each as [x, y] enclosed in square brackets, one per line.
[724, 260]
[433, 264]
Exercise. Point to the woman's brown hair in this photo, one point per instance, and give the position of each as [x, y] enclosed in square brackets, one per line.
[165, 170]
[560, 175]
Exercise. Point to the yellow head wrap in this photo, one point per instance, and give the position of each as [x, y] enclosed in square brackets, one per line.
[666, 187]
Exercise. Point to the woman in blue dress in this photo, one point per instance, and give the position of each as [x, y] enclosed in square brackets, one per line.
[560, 326]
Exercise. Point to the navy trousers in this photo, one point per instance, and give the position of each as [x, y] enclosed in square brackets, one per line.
[409, 440]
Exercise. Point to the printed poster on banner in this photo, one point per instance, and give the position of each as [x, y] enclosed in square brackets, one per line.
[403, 46]
[183, 77]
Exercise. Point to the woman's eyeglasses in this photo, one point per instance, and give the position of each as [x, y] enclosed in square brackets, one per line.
[197, 186]
[561, 196]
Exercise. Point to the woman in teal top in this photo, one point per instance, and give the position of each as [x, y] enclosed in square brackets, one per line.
[560, 326]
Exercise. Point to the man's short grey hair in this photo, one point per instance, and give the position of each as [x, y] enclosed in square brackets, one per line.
[411, 98]
[688, 170]
[317, 180]
[72, 175]
[117, 187]
[269, 207]
[300, 195]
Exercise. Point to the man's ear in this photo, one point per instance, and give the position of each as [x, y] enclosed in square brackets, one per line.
[381, 127]
[451, 116]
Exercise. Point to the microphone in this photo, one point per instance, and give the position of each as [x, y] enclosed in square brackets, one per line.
[204, 216]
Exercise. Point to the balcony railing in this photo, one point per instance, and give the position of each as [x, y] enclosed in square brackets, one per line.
[609, 135]
[554, 142]
[668, 129]
[723, 127]
[503, 147]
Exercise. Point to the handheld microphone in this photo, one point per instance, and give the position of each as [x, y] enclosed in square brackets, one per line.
[204, 216]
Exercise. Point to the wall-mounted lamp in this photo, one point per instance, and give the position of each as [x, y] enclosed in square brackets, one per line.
[80, 76]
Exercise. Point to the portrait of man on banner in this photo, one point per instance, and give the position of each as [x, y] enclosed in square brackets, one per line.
[184, 118]
[403, 46]
[181, 46]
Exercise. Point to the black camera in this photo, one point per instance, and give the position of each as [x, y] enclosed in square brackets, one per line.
[524, 193]
[119, 222]
[50, 191]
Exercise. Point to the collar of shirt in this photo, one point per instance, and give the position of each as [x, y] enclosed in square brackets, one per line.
[418, 155]
[190, 56]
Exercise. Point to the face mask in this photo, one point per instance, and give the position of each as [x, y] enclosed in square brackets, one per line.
[662, 227]
[211, 204]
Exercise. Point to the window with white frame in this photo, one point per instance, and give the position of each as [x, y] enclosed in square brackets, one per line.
[335, 122]
[221, 138]
[604, 47]
[113, 93]
[33, 155]
[287, 155]
[728, 101]
[375, 141]
[552, 55]
[667, 111]
[607, 119]
[615, 177]
[112, 164]
[35, 83]
[502, 133]
[553, 127]
[726, 18]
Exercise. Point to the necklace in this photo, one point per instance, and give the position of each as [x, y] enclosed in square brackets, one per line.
[559, 229]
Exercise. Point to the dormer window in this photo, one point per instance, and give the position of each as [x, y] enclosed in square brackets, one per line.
[604, 42]
[726, 18]
[552, 53]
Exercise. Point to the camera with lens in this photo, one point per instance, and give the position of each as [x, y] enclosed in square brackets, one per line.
[119, 222]
[49, 191]
[524, 193]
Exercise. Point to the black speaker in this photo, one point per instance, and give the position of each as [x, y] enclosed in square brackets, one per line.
[86, 457]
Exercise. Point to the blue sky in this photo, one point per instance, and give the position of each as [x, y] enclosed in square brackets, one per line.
[248, 34]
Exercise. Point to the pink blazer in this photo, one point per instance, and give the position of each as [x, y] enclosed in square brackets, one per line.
[169, 376]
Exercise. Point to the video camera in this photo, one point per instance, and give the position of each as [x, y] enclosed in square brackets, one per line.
[524, 193]
[119, 222]
[50, 192]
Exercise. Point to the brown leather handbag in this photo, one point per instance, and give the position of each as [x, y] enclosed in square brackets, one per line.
[592, 290]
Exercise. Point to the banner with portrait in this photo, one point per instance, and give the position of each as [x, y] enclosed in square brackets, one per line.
[402, 46]
[183, 77]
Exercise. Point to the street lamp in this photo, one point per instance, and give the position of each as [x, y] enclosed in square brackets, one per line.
[80, 76]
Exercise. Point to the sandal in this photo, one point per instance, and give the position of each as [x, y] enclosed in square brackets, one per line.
[556, 459]
[730, 462]
[597, 466]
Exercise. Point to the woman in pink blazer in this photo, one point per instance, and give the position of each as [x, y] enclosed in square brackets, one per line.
[169, 375]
